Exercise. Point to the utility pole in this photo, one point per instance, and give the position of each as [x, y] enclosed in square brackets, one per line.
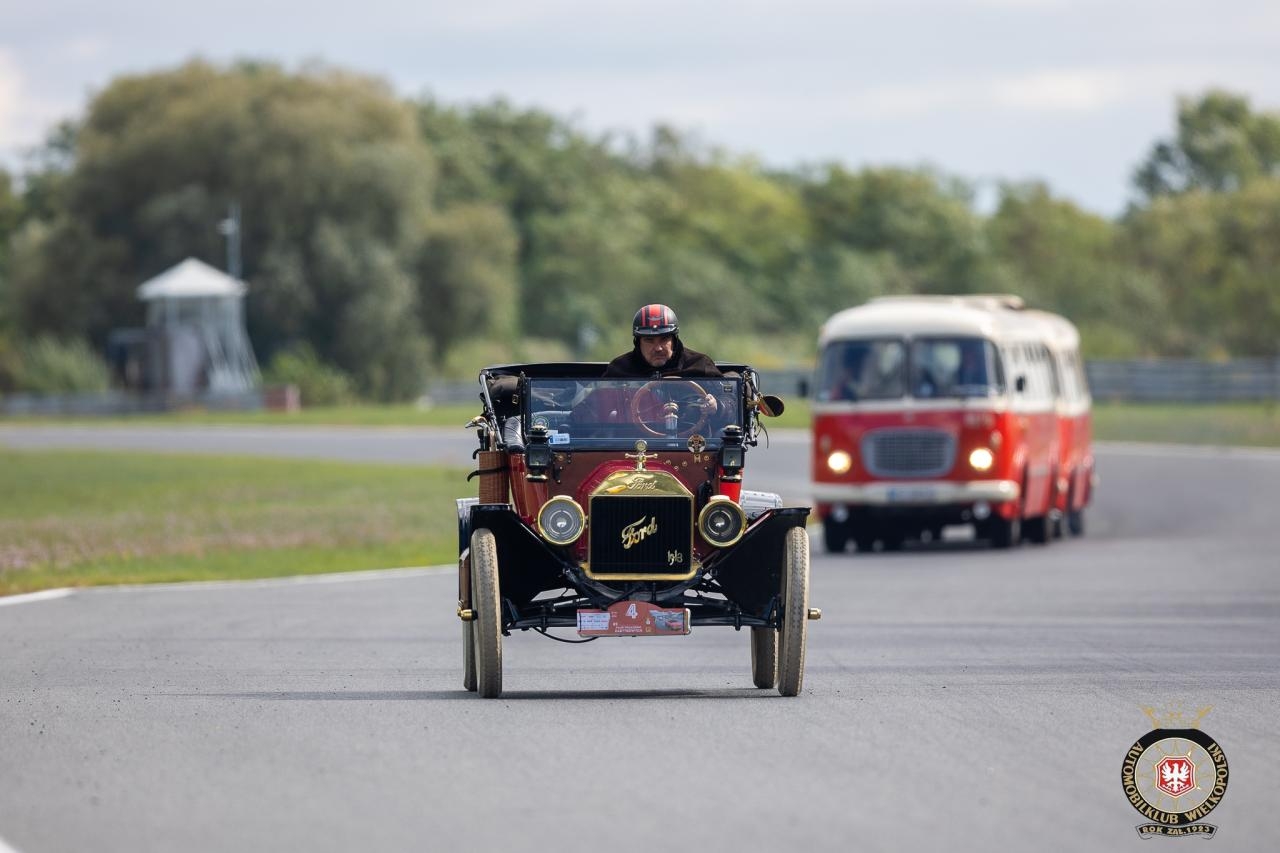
[230, 228]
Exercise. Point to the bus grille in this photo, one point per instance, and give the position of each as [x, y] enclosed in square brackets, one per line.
[908, 453]
[641, 535]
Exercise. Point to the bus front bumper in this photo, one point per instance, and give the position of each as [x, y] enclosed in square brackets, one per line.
[916, 493]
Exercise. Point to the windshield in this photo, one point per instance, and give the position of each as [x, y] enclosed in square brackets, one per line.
[954, 367]
[611, 413]
[885, 370]
[863, 370]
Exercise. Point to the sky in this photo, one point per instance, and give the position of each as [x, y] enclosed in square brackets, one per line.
[1070, 92]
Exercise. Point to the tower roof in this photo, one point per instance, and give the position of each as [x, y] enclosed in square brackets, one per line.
[188, 280]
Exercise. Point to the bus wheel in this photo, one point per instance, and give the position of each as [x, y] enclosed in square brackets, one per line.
[1075, 522]
[835, 536]
[1003, 533]
[866, 544]
[1037, 530]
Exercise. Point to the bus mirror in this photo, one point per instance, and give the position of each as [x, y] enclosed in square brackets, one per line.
[1020, 384]
[802, 387]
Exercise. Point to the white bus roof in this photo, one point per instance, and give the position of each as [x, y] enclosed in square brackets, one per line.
[995, 316]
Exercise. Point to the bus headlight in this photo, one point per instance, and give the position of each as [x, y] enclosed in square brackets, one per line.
[561, 521]
[722, 521]
[982, 459]
[839, 462]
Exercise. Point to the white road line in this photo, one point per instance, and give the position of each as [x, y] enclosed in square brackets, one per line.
[7, 848]
[291, 580]
[27, 598]
[1196, 451]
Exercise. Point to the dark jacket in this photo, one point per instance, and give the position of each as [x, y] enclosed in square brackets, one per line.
[683, 362]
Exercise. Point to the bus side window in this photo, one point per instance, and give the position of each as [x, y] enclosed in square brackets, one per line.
[1051, 370]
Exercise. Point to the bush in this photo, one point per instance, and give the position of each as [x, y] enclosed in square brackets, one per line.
[50, 366]
[10, 364]
[319, 384]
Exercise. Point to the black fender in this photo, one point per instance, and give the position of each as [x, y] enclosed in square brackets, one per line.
[750, 572]
[527, 564]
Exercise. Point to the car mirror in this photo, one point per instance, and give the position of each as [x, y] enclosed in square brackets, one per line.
[770, 405]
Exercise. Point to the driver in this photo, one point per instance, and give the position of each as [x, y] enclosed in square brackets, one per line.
[658, 350]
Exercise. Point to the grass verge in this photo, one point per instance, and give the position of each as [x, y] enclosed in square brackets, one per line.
[85, 518]
[1228, 424]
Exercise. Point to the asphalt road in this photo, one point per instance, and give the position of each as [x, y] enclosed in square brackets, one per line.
[954, 698]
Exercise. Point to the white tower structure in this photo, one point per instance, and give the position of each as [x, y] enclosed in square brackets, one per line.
[198, 312]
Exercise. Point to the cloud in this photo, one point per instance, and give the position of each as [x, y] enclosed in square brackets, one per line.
[84, 48]
[24, 117]
[1075, 90]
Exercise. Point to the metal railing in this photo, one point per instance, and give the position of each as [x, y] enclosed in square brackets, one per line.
[1178, 380]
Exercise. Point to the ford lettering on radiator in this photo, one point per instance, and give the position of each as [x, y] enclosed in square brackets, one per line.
[636, 531]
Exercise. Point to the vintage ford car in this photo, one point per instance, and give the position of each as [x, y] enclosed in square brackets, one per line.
[615, 508]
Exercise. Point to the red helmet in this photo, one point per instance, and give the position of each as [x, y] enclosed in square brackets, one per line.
[655, 319]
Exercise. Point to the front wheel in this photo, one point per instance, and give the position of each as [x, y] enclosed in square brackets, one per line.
[795, 612]
[764, 657]
[1004, 533]
[486, 602]
[1038, 529]
[835, 536]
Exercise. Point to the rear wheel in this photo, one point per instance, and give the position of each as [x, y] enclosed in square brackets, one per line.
[469, 656]
[1075, 522]
[468, 631]
[764, 657]
[865, 543]
[834, 536]
[795, 612]
[486, 602]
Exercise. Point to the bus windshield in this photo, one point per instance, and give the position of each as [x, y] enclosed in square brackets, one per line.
[885, 369]
[954, 367]
[863, 370]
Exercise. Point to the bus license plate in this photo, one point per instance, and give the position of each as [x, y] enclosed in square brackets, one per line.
[912, 495]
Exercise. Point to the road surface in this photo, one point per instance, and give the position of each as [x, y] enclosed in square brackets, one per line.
[955, 698]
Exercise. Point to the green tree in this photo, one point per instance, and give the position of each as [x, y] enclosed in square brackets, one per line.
[926, 222]
[1220, 145]
[10, 213]
[465, 270]
[323, 163]
[1066, 260]
[1217, 257]
[731, 239]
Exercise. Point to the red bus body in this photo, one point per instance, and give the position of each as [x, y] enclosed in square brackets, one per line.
[938, 411]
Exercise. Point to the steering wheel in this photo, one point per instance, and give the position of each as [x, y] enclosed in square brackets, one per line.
[670, 408]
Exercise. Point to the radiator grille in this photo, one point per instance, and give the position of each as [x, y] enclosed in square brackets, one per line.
[908, 453]
[659, 531]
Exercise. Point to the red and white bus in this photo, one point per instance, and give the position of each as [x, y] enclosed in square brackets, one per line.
[933, 411]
